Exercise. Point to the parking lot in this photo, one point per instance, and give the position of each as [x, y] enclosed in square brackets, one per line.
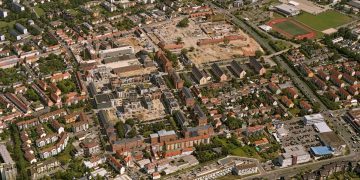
[300, 134]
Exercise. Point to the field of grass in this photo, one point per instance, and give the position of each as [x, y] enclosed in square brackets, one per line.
[323, 21]
[39, 11]
[4, 24]
[291, 28]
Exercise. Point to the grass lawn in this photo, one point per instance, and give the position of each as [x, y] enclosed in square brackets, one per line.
[4, 24]
[10, 75]
[323, 21]
[39, 11]
[244, 151]
[277, 15]
[73, 12]
[291, 28]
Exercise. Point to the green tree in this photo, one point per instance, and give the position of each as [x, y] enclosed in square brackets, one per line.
[132, 133]
[183, 23]
[178, 40]
[258, 53]
[130, 122]
[120, 129]
[31, 94]
[184, 51]
[226, 41]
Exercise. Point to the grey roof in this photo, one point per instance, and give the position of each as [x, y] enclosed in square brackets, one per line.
[287, 8]
[5, 155]
[102, 98]
[19, 26]
[154, 135]
[235, 66]
[197, 73]
[198, 111]
[355, 4]
[119, 58]
[295, 150]
[217, 70]
[181, 119]
[255, 64]
[186, 92]
[166, 133]
[197, 128]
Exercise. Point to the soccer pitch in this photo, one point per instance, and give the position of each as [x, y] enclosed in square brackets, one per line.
[323, 21]
[291, 28]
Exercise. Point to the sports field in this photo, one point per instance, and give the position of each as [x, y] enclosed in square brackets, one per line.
[291, 28]
[323, 21]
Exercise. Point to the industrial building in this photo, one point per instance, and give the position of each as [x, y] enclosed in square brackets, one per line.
[353, 117]
[321, 151]
[287, 10]
[312, 119]
[322, 127]
[295, 154]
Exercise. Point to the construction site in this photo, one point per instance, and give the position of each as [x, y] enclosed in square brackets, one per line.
[206, 41]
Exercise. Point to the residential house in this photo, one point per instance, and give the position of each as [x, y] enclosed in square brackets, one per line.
[306, 70]
[287, 102]
[350, 79]
[115, 164]
[338, 82]
[292, 93]
[344, 94]
[187, 97]
[274, 88]
[199, 75]
[237, 70]
[218, 72]
[323, 75]
[257, 66]
[306, 106]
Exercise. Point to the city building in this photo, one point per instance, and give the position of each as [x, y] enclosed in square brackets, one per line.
[7, 166]
[245, 169]
[293, 155]
[321, 151]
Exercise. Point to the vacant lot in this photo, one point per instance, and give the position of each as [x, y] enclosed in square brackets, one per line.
[190, 35]
[291, 28]
[323, 21]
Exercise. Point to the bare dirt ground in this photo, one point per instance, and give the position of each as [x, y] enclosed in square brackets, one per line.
[132, 41]
[208, 53]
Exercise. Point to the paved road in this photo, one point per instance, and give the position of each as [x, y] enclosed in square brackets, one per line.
[265, 44]
[293, 170]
